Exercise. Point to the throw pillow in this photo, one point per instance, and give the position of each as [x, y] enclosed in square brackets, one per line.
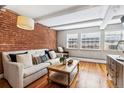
[52, 54]
[13, 56]
[60, 49]
[47, 53]
[37, 60]
[44, 58]
[34, 60]
[26, 59]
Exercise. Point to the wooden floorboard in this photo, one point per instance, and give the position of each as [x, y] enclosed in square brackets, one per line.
[91, 75]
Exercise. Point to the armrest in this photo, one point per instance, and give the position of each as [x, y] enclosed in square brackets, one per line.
[15, 74]
[59, 54]
[65, 52]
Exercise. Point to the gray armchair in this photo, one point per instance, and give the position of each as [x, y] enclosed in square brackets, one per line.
[62, 51]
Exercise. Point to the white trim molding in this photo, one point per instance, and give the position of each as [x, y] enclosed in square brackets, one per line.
[1, 76]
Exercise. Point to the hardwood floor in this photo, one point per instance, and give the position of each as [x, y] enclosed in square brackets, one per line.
[91, 75]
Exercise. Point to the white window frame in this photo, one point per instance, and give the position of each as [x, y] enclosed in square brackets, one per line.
[105, 41]
[77, 41]
[90, 48]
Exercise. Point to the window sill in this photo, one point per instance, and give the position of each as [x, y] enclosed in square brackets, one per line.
[72, 48]
[112, 50]
[91, 49]
[84, 49]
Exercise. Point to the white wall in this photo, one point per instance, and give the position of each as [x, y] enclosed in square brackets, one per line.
[99, 54]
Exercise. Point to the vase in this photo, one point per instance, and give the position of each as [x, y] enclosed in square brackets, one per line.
[64, 62]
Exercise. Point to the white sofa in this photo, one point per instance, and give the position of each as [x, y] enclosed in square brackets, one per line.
[19, 77]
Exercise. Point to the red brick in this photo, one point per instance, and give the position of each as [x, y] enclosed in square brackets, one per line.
[19, 39]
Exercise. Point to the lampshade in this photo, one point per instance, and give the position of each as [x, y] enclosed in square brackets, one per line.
[25, 23]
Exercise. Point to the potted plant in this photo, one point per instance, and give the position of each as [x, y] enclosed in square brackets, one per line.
[62, 59]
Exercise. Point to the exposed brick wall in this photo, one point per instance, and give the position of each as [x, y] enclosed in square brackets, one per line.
[13, 38]
[1, 67]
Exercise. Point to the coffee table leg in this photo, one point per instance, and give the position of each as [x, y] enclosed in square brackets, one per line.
[68, 81]
[48, 76]
[78, 67]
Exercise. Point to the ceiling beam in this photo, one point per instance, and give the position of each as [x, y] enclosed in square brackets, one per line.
[65, 11]
[88, 21]
[110, 13]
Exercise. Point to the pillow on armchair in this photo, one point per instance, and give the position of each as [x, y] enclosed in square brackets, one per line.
[60, 49]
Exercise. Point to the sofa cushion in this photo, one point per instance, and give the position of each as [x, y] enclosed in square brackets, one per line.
[35, 68]
[53, 61]
[26, 59]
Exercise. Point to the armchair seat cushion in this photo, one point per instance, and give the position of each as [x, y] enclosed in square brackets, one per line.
[35, 68]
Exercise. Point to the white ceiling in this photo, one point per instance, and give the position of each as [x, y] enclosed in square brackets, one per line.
[34, 11]
[63, 17]
[78, 16]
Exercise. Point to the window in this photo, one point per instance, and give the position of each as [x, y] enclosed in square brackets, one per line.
[112, 38]
[72, 41]
[90, 40]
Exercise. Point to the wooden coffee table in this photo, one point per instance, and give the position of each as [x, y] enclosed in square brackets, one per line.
[63, 74]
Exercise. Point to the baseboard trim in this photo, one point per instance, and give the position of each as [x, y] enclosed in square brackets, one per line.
[1, 76]
[90, 60]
